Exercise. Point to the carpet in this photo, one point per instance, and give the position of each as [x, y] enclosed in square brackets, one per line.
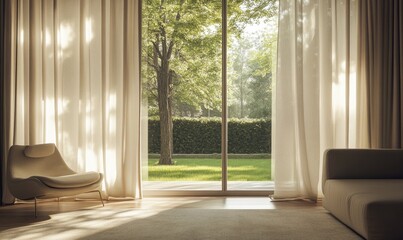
[193, 223]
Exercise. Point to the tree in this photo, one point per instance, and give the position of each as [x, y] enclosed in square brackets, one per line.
[261, 76]
[183, 55]
[239, 74]
[181, 35]
[250, 75]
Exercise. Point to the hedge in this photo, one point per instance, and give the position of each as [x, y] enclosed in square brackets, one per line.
[203, 136]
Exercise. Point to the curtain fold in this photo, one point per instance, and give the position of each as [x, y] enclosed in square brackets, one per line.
[317, 96]
[9, 64]
[2, 67]
[381, 54]
[77, 84]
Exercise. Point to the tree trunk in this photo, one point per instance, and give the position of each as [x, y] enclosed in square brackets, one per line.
[163, 51]
[164, 78]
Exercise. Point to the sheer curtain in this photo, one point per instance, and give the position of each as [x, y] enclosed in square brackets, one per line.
[317, 96]
[73, 79]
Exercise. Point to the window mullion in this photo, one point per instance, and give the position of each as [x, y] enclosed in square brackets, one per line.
[224, 114]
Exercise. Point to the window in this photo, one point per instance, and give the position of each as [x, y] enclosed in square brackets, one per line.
[207, 72]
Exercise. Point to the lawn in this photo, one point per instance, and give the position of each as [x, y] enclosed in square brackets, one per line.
[209, 169]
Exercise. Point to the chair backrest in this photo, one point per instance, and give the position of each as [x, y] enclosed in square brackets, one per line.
[36, 160]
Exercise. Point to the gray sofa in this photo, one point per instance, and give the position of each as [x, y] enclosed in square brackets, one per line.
[363, 188]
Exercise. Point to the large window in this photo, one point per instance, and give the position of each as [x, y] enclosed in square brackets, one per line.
[207, 70]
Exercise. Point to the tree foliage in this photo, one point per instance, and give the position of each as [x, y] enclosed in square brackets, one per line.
[192, 32]
[250, 76]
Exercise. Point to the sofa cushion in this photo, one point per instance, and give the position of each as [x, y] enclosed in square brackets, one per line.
[372, 207]
[70, 181]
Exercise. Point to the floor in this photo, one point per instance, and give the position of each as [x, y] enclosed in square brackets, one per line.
[74, 219]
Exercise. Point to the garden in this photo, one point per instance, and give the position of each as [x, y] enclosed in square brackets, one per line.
[197, 147]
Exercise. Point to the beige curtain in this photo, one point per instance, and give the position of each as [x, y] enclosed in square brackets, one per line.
[317, 95]
[74, 80]
[2, 74]
[381, 55]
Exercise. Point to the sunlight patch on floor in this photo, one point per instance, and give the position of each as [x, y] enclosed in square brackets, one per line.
[77, 224]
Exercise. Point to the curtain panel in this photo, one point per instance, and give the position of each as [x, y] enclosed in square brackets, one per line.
[317, 93]
[381, 57]
[73, 79]
[2, 74]
[7, 67]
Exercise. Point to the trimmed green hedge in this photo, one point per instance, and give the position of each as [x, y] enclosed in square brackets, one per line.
[203, 136]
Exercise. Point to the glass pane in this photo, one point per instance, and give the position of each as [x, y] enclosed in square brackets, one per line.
[181, 67]
[252, 37]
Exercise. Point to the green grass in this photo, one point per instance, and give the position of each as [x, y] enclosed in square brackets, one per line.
[207, 169]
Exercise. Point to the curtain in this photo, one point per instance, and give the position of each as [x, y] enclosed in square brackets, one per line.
[8, 73]
[2, 74]
[381, 57]
[73, 79]
[317, 97]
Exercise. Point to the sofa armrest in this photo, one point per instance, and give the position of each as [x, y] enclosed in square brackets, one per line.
[363, 164]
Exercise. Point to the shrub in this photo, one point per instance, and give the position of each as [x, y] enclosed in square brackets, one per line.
[249, 136]
[203, 135]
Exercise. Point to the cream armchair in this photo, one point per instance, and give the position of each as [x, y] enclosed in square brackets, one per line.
[39, 171]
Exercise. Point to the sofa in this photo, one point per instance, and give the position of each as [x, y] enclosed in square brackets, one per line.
[363, 188]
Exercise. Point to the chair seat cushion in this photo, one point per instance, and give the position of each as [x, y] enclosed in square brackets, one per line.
[70, 181]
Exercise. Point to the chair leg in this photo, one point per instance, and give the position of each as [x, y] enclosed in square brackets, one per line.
[100, 197]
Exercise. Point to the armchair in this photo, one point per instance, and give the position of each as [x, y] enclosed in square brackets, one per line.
[39, 171]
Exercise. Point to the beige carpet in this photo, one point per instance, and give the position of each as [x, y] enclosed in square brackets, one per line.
[182, 223]
[172, 219]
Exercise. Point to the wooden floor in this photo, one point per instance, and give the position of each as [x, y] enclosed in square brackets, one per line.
[73, 219]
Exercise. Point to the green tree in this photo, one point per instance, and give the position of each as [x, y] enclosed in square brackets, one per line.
[239, 75]
[250, 76]
[181, 34]
[261, 76]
